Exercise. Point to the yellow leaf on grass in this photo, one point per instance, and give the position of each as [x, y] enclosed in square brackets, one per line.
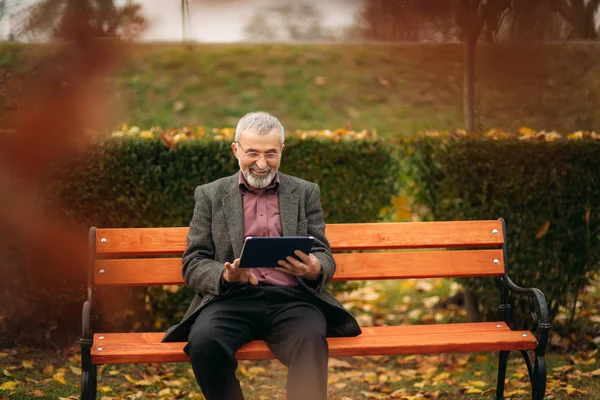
[60, 378]
[478, 383]
[257, 370]
[173, 383]
[27, 364]
[164, 392]
[9, 385]
[49, 369]
[105, 389]
[441, 376]
[130, 379]
[474, 390]
[481, 357]
[113, 372]
[596, 372]
[143, 382]
[516, 392]
[75, 370]
[5, 371]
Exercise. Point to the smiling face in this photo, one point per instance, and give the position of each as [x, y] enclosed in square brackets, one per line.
[259, 156]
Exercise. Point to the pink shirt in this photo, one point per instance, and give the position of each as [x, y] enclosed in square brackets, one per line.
[262, 218]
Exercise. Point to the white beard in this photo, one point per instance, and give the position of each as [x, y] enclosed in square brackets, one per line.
[256, 181]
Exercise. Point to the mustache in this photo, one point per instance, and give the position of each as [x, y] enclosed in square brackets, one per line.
[254, 167]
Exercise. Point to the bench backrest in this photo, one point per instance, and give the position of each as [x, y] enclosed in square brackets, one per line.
[152, 256]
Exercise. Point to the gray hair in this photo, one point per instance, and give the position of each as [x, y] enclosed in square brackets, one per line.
[259, 122]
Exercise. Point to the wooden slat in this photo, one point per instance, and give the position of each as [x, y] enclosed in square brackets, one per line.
[350, 266]
[404, 235]
[399, 235]
[369, 343]
[499, 326]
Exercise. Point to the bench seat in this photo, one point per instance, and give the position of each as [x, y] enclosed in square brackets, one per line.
[125, 348]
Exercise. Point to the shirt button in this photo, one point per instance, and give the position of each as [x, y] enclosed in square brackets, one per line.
[261, 214]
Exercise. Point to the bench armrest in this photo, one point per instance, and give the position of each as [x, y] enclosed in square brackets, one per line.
[541, 322]
[86, 332]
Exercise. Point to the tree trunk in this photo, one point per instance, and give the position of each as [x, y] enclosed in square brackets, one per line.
[469, 83]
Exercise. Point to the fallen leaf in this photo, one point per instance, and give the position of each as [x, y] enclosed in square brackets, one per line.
[8, 385]
[130, 379]
[48, 369]
[474, 390]
[335, 363]
[543, 230]
[5, 371]
[36, 393]
[478, 383]
[27, 364]
[75, 370]
[60, 378]
[257, 370]
[113, 372]
[3, 354]
[105, 389]
[164, 392]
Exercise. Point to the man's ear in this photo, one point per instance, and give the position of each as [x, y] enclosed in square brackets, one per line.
[234, 149]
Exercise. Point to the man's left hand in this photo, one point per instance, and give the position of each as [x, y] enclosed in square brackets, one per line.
[309, 267]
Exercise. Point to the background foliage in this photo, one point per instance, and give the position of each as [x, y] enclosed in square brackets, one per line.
[547, 191]
[137, 181]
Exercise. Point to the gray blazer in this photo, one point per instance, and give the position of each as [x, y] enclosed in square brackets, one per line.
[216, 235]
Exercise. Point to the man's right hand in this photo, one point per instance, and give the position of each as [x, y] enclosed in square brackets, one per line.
[235, 274]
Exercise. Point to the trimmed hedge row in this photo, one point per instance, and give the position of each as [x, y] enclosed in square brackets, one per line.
[147, 178]
[546, 188]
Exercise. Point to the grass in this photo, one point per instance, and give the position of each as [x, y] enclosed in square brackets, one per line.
[575, 374]
[397, 90]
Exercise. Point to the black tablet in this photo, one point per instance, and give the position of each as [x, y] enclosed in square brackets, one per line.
[264, 252]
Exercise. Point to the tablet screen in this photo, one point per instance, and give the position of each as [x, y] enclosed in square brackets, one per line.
[264, 252]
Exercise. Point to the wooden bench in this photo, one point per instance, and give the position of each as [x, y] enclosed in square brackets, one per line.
[456, 249]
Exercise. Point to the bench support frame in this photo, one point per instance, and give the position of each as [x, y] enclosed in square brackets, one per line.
[540, 326]
[89, 380]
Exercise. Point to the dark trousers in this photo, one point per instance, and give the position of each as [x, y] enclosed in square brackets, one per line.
[293, 328]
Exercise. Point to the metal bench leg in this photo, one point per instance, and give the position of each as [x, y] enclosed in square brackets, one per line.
[89, 383]
[538, 383]
[85, 386]
[502, 363]
[537, 375]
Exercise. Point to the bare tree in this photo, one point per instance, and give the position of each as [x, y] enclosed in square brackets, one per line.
[101, 18]
[295, 21]
[581, 16]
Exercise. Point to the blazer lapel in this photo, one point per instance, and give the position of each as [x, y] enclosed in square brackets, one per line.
[233, 207]
[288, 206]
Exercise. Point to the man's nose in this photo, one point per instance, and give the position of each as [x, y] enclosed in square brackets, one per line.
[261, 162]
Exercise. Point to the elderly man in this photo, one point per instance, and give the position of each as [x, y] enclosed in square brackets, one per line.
[286, 306]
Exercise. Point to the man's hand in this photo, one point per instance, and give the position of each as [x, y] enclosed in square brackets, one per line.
[233, 273]
[309, 267]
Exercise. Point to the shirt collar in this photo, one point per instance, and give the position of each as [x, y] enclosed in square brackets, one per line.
[245, 188]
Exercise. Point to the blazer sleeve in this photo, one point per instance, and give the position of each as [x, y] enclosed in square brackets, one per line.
[200, 270]
[321, 248]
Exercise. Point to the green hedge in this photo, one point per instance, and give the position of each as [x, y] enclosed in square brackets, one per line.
[547, 191]
[136, 181]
